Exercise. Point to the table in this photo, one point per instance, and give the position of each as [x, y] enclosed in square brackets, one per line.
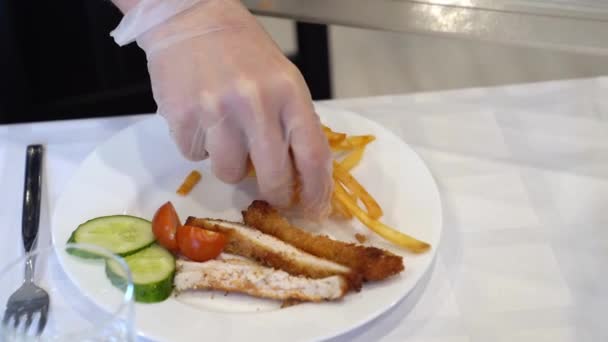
[573, 25]
[523, 175]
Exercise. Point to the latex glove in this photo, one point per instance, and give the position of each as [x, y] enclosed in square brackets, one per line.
[228, 93]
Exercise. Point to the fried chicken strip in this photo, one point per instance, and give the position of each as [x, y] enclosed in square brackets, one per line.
[243, 276]
[371, 262]
[270, 251]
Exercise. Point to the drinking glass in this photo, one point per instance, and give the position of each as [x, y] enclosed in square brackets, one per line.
[84, 304]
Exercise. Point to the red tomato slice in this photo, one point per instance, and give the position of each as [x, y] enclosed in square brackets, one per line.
[164, 226]
[198, 244]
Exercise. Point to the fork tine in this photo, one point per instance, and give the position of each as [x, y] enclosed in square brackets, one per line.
[28, 321]
[9, 322]
[42, 320]
[8, 313]
[17, 317]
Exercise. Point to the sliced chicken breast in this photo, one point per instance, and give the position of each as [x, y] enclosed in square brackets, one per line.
[273, 252]
[243, 276]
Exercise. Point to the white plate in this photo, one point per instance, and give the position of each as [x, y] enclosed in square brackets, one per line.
[139, 169]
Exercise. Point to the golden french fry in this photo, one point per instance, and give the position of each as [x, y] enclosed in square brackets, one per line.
[189, 183]
[352, 142]
[250, 168]
[388, 233]
[373, 208]
[352, 159]
[339, 210]
[333, 137]
[339, 184]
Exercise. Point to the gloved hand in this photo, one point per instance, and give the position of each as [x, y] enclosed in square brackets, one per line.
[228, 93]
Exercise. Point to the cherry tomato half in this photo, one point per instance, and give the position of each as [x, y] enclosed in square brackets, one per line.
[165, 225]
[198, 244]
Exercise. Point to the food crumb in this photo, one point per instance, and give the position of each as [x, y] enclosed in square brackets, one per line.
[361, 238]
[290, 302]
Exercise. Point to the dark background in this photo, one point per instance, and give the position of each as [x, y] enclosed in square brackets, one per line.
[57, 61]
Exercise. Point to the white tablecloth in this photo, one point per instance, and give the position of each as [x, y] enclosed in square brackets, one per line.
[523, 174]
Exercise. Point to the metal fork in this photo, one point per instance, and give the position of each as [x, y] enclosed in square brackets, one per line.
[29, 299]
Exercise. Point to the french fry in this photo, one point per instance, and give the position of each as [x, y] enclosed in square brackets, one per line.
[352, 142]
[339, 210]
[189, 183]
[333, 137]
[352, 159]
[373, 208]
[250, 168]
[388, 233]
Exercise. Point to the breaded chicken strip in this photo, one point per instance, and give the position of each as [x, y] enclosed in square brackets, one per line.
[371, 262]
[270, 251]
[243, 276]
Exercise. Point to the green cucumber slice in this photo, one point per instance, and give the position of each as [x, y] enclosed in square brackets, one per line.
[152, 270]
[120, 234]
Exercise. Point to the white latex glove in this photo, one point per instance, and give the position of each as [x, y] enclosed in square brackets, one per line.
[228, 93]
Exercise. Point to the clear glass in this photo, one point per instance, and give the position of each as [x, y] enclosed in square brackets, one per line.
[84, 304]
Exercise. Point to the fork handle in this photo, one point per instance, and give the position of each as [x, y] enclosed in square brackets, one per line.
[31, 196]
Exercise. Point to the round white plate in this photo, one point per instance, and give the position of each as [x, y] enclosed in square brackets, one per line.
[140, 168]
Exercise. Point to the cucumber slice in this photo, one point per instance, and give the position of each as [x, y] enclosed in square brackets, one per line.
[152, 270]
[120, 234]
